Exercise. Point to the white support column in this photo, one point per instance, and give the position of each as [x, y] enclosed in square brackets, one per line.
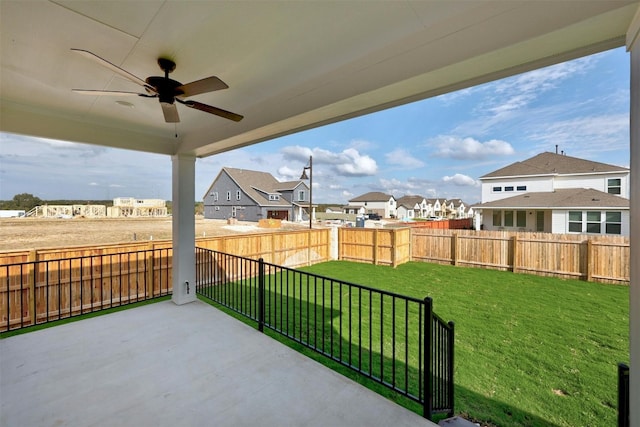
[633, 45]
[183, 228]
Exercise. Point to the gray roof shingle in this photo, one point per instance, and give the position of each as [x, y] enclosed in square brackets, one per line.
[553, 164]
[561, 198]
[374, 196]
[255, 184]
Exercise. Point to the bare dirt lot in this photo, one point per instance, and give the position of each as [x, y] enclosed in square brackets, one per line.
[40, 233]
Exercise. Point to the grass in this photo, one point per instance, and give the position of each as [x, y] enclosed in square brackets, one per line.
[530, 350]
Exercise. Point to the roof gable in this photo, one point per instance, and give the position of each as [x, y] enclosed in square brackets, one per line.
[410, 200]
[553, 164]
[257, 185]
[374, 196]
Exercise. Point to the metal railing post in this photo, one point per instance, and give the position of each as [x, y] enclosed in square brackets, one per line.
[623, 395]
[427, 404]
[450, 361]
[261, 295]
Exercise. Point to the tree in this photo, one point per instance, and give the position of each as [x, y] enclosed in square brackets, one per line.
[24, 201]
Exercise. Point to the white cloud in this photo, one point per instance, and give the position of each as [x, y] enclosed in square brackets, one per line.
[469, 148]
[349, 162]
[398, 187]
[403, 158]
[517, 92]
[461, 180]
[510, 100]
[289, 174]
[585, 136]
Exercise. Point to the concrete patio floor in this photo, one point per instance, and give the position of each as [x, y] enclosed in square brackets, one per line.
[169, 365]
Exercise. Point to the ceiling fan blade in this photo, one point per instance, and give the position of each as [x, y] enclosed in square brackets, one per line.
[170, 112]
[209, 84]
[110, 92]
[111, 66]
[212, 110]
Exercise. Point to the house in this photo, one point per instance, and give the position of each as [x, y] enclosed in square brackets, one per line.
[252, 195]
[556, 193]
[411, 207]
[436, 208]
[374, 202]
[456, 209]
[334, 209]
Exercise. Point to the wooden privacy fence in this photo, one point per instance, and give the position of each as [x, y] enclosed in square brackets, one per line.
[290, 249]
[41, 290]
[602, 259]
[38, 286]
[386, 246]
[47, 284]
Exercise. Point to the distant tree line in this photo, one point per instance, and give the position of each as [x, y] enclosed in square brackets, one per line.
[27, 201]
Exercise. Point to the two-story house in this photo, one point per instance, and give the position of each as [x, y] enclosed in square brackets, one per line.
[411, 207]
[374, 202]
[252, 195]
[555, 193]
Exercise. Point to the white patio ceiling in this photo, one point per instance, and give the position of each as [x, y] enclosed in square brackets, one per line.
[289, 65]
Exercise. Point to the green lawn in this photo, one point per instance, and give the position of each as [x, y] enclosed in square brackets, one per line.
[530, 350]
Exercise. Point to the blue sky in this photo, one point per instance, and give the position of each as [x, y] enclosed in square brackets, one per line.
[437, 147]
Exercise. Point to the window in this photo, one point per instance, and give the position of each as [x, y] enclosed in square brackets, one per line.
[539, 220]
[613, 223]
[497, 189]
[521, 219]
[508, 188]
[614, 186]
[238, 195]
[301, 195]
[508, 218]
[575, 222]
[521, 188]
[228, 195]
[497, 218]
[215, 196]
[274, 197]
[593, 222]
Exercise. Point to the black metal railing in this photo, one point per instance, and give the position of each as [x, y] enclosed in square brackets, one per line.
[36, 292]
[394, 340]
[623, 395]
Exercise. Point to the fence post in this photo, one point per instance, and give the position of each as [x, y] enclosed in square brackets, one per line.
[427, 404]
[454, 248]
[589, 273]
[514, 254]
[375, 246]
[261, 295]
[33, 272]
[151, 253]
[273, 248]
[394, 248]
[309, 247]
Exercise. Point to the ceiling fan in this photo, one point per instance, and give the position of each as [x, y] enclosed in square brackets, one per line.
[168, 91]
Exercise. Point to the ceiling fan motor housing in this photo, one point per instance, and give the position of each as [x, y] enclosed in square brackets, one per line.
[166, 88]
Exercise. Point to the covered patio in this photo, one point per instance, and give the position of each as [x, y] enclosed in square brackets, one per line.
[169, 365]
[290, 66]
